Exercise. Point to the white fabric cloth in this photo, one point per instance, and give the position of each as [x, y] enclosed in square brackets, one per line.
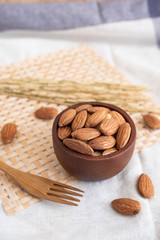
[130, 47]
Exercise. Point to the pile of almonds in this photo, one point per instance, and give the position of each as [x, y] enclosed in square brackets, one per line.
[88, 129]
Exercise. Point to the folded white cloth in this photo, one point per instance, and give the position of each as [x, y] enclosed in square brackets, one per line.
[131, 47]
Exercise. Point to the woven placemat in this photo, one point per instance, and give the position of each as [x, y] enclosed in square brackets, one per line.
[32, 149]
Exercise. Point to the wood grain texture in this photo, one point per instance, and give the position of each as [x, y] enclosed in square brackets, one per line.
[43, 188]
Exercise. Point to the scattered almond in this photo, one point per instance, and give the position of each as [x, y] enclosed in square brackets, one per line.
[102, 142]
[78, 146]
[109, 126]
[145, 186]
[64, 132]
[151, 121]
[67, 117]
[96, 118]
[108, 151]
[95, 109]
[83, 107]
[79, 120]
[8, 132]
[126, 206]
[85, 133]
[116, 115]
[123, 135]
[46, 112]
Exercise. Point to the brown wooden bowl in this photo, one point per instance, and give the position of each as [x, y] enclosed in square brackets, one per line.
[94, 168]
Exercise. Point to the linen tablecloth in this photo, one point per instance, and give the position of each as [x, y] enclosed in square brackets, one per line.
[133, 48]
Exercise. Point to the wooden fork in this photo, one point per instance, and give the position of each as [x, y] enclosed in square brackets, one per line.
[42, 187]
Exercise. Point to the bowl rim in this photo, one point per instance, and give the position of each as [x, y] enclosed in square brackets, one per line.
[95, 158]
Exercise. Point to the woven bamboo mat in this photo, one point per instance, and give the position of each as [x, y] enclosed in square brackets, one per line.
[32, 149]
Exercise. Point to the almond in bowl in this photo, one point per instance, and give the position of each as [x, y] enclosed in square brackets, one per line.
[99, 140]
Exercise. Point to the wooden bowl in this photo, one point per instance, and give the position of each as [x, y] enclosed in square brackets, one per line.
[94, 168]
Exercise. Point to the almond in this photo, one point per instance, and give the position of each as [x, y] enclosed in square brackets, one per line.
[86, 124]
[64, 132]
[123, 135]
[116, 115]
[79, 120]
[85, 133]
[96, 118]
[126, 206]
[108, 116]
[108, 151]
[145, 186]
[97, 153]
[95, 109]
[8, 132]
[151, 121]
[102, 142]
[78, 146]
[67, 117]
[83, 107]
[46, 112]
[109, 126]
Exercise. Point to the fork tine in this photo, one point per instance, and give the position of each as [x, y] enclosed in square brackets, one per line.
[61, 189]
[57, 194]
[66, 186]
[59, 200]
